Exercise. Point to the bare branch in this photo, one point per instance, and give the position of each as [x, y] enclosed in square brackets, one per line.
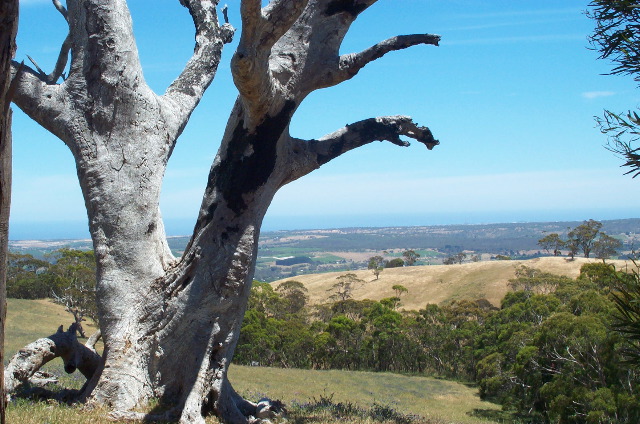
[187, 90]
[42, 73]
[350, 64]
[262, 28]
[63, 56]
[93, 339]
[38, 99]
[61, 63]
[61, 9]
[309, 155]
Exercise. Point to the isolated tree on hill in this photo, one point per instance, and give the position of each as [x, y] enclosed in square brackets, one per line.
[552, 242]
[343, 289]
[399, 289]
[584, 235]
[8, 29]
[156, 310]
[376, 265]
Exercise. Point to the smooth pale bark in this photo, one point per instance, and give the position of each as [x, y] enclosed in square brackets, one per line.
[62, 344]
[170, 325]
[8, 30]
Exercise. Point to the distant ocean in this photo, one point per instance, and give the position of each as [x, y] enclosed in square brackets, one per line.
[178, 227]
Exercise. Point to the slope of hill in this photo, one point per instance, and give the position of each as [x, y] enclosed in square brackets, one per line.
[28, 320]
[440, 283]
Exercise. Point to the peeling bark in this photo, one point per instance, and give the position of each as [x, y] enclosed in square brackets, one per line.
[170, 325]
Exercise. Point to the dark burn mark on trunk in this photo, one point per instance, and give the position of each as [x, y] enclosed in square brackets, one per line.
[363, 132]
[335, 150]
[250, 159]
[352, 7]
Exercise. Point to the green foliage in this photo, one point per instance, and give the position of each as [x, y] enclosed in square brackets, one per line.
[626, 320]
[28, 278]
[587, 237]
[552, 242]
[616, 37]
[584, 236]
[376, 265]
[75, 273]
[399, 289]
[69, 279]
[342, 290]
[394, 263]
[458, 258]
[410, 257]
[547, 354]
[606, 246]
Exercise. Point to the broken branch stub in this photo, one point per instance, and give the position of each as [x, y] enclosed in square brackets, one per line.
[64, 344]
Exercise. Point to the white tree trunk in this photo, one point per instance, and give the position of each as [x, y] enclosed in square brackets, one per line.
[170, 326]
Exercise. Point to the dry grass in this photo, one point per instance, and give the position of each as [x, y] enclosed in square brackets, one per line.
[29, 320]
[441, 283]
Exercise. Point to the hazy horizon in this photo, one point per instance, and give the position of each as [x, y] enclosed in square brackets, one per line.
[511, 94]
[75, 230]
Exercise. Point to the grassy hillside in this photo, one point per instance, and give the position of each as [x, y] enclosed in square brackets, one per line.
[29, 320]
[440, 283]
[442, 401]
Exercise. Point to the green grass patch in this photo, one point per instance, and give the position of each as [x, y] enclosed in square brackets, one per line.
[312, 396]
[427, 397]
[328, 259]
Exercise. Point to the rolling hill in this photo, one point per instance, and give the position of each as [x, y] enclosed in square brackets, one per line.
[440, 283]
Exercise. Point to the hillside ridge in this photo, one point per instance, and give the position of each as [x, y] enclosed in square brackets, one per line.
[436, 284]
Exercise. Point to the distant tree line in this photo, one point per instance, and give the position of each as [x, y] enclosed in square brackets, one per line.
[549, 353]
[587, 238]
[68, 277]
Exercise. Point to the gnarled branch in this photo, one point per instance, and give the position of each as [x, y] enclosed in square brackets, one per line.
[262, 28]
[350, 64]
[41, 101]
[187, 89]
[310, 155]
[24, 364]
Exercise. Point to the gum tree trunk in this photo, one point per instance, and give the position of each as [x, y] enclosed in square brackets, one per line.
[8, 30]
[170, 326]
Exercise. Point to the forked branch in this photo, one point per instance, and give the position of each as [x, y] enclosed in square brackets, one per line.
[63, 56]
[261, 29]
[188, 88]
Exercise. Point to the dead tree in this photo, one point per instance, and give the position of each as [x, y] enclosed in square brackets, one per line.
[170, 325]
[8, 29]
[62, 344]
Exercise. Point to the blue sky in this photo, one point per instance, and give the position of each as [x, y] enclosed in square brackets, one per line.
[511, 94]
